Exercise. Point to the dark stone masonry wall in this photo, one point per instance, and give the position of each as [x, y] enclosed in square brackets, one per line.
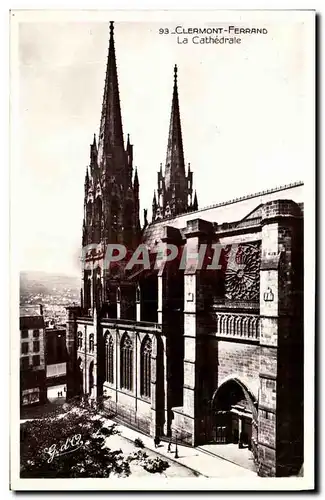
[232, 344]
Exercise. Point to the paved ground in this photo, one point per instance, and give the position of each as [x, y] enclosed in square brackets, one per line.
[52, 393]
[118, 441]
[190, 462]
[115, 442]
[242, 457]
[203, 463]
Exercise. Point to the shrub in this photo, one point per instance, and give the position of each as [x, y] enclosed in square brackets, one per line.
[140, 456]
[154, 465]
[109, 431]
[138, 443]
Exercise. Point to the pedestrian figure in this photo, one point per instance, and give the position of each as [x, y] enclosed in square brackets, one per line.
[156, 441]
[58, 394]
[65, 389]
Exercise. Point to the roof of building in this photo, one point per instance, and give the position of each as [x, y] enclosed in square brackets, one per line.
[31, 317]
[31, 310]
[228, 211]
[31, 323]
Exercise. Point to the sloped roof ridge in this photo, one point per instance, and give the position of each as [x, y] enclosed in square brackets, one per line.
[235, 200]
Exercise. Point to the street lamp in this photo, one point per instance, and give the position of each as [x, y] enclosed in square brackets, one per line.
[176, 449]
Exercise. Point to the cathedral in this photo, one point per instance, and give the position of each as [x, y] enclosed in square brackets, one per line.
[188, 352]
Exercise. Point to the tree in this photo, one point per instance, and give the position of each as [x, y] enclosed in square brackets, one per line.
[69, 445]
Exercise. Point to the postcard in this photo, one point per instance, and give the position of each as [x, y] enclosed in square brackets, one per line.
[162, 250]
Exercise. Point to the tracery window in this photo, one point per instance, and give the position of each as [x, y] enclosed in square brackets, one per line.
[91, 343]
[114, 212]
[98, 218]
[109, 345]
[79, 340]
[146, 350]
[126, 363]
[242, 271]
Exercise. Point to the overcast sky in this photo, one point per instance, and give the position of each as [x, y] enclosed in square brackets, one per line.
[243, 112]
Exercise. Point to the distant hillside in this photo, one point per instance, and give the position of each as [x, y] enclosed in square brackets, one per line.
[55, 292]
[34, 283]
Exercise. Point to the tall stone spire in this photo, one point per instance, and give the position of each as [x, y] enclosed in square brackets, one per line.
[175, 168]
[174, 187]
[111, 201]
[111, 131]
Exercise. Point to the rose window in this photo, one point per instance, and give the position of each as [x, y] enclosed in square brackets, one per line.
[242, 274]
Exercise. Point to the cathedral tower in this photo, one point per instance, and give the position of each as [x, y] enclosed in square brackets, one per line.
[111, 197]
[175, 188]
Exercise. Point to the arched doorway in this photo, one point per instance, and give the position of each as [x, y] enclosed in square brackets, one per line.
[234, 414]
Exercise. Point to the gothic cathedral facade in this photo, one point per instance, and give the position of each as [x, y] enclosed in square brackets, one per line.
[198, 355]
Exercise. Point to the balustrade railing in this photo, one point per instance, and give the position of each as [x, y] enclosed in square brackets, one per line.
[241, 326]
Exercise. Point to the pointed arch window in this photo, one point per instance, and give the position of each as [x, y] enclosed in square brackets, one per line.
[91, 343]
[127, 363]
[114, 212]
[138, 295]
[146, 350]
[99, 291]
[91, 376]
[79, 344]
[98, 218]
[89, 212]
[109, 359]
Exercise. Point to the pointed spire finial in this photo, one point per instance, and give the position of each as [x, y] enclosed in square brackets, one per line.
[195, 203]
[136, 178]
[175, 166]
[110, 131]
[145, 216]
[87, 177]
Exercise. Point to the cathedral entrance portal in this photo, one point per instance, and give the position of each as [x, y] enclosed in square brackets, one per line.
[233, 411]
